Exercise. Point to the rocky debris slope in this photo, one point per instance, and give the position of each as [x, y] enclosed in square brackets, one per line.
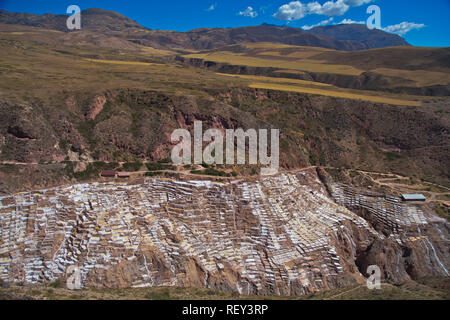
[280, 235]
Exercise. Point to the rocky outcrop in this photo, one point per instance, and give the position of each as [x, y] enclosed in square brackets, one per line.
[96, 107]
[26, 134]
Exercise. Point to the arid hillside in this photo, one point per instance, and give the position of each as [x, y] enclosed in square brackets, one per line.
[361, 122]
[84, 98]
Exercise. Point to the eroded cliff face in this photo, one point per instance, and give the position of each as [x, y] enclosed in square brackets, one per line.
[279, 235]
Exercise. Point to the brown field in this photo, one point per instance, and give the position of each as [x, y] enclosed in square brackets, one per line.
[133, 63]
[422, 78]
[336, 94]
[296, 64]
[278, 80]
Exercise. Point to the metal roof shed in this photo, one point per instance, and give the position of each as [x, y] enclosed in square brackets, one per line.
[413, 197]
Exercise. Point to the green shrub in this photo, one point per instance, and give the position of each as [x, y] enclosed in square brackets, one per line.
[152, 166]
[153, 173]
[443, 212]
[9, 168]
[391, 156]
[132, 166]
[92, 170]
[211, 172]
[163, 294]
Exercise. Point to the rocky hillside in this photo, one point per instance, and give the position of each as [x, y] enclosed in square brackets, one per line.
[131, 124]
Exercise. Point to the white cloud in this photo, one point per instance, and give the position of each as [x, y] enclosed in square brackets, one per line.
[296, 10]
[212, 7]
[403, 28]
[321, 23]
[350, 21]
[330, 8]
[314, 8]
[249, 12]
[290, 12]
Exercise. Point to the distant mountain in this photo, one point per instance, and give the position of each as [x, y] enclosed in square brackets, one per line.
[341, 37]
[361, 34]
[213, 38]
[92, 19]
[48, 20]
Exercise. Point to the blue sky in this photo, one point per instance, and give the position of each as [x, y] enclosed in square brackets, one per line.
[421, 23]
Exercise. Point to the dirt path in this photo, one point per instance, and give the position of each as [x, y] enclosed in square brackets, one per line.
[402, 187]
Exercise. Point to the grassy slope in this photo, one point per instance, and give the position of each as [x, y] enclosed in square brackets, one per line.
[30, 60]
[424, 289]
[35, 71]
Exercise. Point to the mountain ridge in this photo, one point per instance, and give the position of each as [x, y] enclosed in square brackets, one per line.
[346, 38]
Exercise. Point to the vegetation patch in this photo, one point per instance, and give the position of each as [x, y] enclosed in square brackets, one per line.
[391, 156]
[93, 169]
[442, 211]
[8, 168]
[213, 172]
[153, 173]
[158, 166]
[132, 166]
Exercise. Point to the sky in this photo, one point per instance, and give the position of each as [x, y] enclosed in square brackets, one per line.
[421, 23]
